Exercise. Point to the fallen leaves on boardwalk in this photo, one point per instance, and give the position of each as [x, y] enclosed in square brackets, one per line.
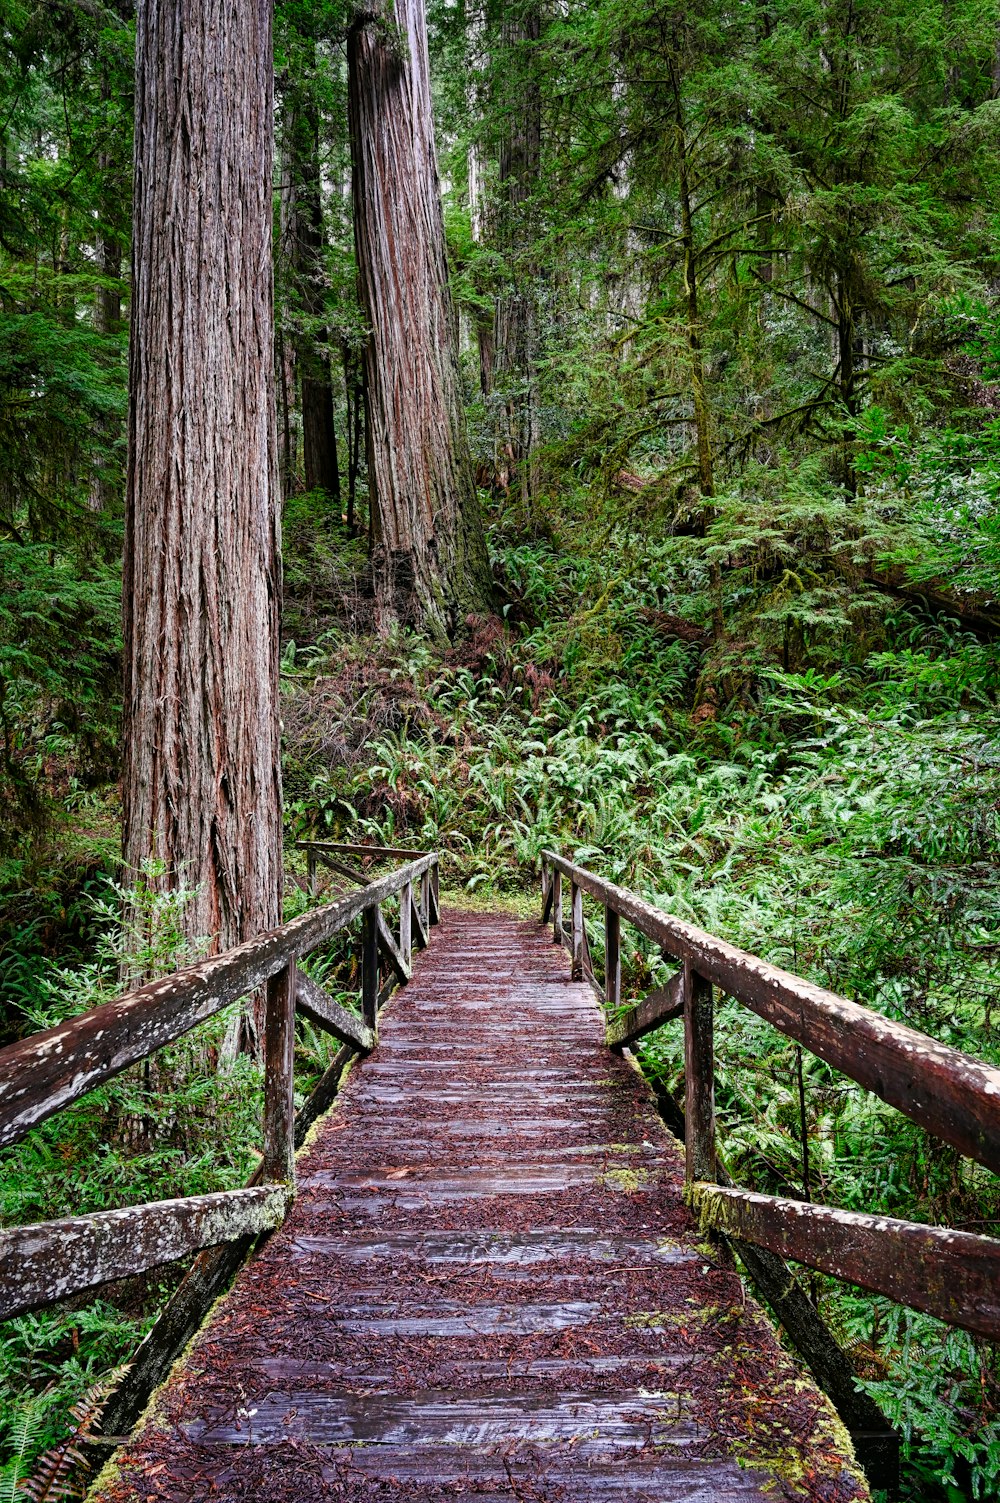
[489, 1286]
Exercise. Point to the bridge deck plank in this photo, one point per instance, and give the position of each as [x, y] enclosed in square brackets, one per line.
[489, 1285]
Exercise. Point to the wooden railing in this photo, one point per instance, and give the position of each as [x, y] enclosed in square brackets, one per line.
[949, 1274]
[40, 1075]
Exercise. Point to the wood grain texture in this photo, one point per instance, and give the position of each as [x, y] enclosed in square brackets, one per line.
[947, 1092]
[655, 1008]
[329, 1015]
[51, 1260]
[952, 1275]
[489, 1285]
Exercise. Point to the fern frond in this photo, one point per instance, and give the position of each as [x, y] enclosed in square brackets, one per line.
[55, 1476]
[25, 1432]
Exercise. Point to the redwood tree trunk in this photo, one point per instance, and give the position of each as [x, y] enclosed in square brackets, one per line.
[306, 248]
[515, 359]
[202, 781]
[428, 548]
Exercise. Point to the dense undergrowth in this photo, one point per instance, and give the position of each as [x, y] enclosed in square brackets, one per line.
[186, 1122]
[820, 786]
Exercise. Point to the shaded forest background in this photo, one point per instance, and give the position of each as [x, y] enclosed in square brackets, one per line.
[728, 287]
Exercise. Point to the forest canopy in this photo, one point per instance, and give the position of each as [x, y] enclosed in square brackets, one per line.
[653, 516]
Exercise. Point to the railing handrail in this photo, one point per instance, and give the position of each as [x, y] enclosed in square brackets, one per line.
[952, 1275]
[41, 1074]
[348, 849]
[950, 1093]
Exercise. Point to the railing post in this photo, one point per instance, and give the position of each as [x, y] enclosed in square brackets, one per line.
[405, 925]
[557, 928]
[311, 872]
[279, 1085]
[612, 957]
[369, 967]
[425, 899]
[576, 919]
[435, 891]
[699, 1077]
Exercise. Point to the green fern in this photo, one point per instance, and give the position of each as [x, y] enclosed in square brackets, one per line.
[57, 1471]
[26, 1429]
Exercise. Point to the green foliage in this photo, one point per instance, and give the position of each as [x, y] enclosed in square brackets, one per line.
[837, 817]
[748, 659]
[66, 155]
[175, 1125]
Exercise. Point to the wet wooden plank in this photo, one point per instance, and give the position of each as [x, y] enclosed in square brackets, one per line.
[594, 1423]
[953, 1275]
[517, 1249]
[657, 1007]
[489, 1283]
[330, 1015]
[947, 1092]
[51, 1260]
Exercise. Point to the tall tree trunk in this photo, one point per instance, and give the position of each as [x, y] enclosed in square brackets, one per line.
[847, 374]
[354, 388]
[306, 247]
[202, 780]
[428, 547]
[106, 483]
[515, 358]
[699, 392]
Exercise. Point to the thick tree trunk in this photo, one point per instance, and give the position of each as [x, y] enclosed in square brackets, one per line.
[515, 340]
[428, 547]
[202, 782]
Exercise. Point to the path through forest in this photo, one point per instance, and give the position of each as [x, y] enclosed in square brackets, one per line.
[489, 1285]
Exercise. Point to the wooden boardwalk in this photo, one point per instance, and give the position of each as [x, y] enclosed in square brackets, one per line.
[489, 1285]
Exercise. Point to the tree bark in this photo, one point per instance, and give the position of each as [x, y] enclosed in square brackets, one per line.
[106, 484]
[428, 547]
[304, 228]
[515, 353]
[699, 393]
[202, 780]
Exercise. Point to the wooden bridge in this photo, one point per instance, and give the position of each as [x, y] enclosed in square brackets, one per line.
[500, 1274]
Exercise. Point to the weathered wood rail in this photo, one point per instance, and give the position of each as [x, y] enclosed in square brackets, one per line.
[952, 1275]
[489, 1286]
[41, 1074]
